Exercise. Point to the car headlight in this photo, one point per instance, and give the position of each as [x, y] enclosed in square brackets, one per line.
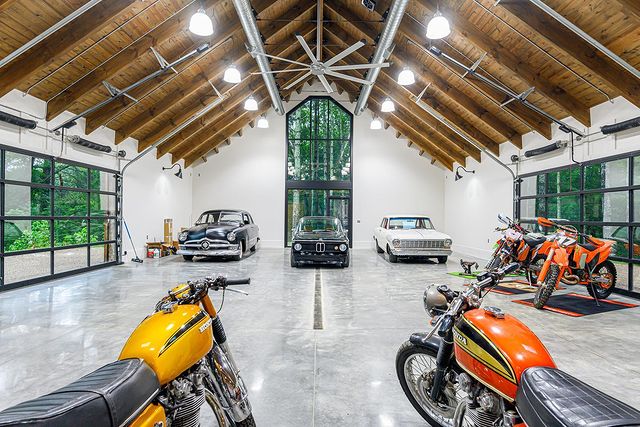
[231, 236]
[447, 243]
[396, 243]
[297, 247]
[343, 247]
[183, 236]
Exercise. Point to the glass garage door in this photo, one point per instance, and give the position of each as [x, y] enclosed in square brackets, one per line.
[56, 217]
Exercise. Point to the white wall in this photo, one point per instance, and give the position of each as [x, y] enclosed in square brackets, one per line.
[387, 176]
[472, 204]
[150, 195]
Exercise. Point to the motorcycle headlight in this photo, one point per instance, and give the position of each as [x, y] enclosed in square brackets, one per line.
[183, 236]
[231, 236]
[396, 243]
[434, 302]
[297, 247]
[343, 247]
[447, 243]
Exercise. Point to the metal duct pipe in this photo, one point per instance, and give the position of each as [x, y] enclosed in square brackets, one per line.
[546, 149]
[17, 120]
[619, 127]
[75, 139]
[383, 50]
[256, 49]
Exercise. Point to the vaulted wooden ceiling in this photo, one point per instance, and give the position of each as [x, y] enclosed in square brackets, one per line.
[520, 46]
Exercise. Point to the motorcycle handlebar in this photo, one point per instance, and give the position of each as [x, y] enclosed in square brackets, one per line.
[236, 282]
[496, 276]
[446, 325]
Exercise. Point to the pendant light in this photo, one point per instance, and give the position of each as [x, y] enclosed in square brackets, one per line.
[406, 77]
[263, 123]
[376, 124]
[251, 104]
[438, 27]
[232, 75]
[200, 24]
[388, 106]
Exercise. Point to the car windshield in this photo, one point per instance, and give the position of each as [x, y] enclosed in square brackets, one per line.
[319, 224]
[219, 216]
[410, 223]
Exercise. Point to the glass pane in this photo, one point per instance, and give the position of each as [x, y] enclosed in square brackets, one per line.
[22, 200]
[607, 207]
[323, 119]
[607, 175]
[636, 206]
[617, 234]
[67, 175]
[22, 167]
[70, 203]
[70, 232]
[102, 230]
[303, 203]
[635, 280]
[103, 253]
[300, 122]
[299, 160]
[565, 207]
[636, 172]
[636, 245]
[622, 270]
[532, 185]
[22, 235]
[340, 160]
[24, 267]
[531, 208]
[563, 181]
[103, 205]
[102, 181]
[69, 259]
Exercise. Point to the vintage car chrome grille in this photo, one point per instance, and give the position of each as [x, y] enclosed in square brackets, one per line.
[422, 244]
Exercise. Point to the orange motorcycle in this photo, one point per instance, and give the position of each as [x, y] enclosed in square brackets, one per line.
[176, 369]
[570, 262]
[480, 367]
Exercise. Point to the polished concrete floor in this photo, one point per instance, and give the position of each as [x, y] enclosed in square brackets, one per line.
[342, 375]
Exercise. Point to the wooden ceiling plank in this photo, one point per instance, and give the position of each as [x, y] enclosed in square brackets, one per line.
[614, 75]
[244, 62]
[632, 7]
[517, 65]
[6, 4]
[59, 43]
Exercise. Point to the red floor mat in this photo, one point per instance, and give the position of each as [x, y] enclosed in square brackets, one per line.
[576, 305]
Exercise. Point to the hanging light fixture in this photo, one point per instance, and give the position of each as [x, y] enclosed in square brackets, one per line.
[406, 77]
[376, 124]
[438, 27]
[179, 173]
[200, 24]
[251, 104]
[388, 106]
[263, 123]
[232, 75]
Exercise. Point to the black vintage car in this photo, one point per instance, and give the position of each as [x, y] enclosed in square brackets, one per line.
[319, 239]
[224, 233]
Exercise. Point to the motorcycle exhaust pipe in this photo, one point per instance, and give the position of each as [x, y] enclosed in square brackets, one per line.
[570, 279]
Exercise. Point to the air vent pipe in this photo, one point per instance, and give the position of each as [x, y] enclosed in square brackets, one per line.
[383, 51]
[619, 127]
[546, 149]
[17, 120]
[256, 49]
[75, 139]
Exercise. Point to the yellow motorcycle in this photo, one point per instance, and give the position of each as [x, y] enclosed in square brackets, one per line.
[173, 363]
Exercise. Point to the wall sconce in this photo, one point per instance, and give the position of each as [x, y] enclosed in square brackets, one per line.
[458, 175]
[179, 173]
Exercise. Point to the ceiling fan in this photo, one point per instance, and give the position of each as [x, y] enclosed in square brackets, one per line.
[321, 69]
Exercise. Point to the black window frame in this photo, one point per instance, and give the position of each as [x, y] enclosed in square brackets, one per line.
[52, 188]
[632, 224]
[326, 185]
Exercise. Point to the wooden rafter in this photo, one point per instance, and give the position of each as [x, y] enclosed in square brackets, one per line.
[320, 27]
[566, 40]
[59, 43]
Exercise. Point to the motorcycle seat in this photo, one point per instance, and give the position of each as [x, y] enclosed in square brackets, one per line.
[111, 396]
[588, 246]
[534, 240]
[549, 397]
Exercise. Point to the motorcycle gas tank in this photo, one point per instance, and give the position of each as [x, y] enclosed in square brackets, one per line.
[171, 342]
[497, 350]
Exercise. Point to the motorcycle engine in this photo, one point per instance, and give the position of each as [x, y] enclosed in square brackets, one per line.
[483, 407]
[186, 395]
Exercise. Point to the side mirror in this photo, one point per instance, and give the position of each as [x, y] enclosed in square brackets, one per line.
[504, 219]
[545, 222]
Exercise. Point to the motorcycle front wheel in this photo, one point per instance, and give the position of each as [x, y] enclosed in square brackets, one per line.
[217, 417]
[415, 367]
[604, 271]
[544, 291]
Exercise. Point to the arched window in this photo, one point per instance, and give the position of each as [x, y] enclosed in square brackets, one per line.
[319, 162]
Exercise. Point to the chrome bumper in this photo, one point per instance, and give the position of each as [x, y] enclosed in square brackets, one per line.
[421, 252]
[230, 250]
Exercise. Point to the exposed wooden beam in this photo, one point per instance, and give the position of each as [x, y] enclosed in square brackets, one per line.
[516, 64]
[59, 43]
[319, 26]
[632, 7]
[566, 40]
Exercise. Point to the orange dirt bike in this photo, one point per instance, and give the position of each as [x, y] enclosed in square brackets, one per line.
[175, 363]
[480, 367]
[572, 263]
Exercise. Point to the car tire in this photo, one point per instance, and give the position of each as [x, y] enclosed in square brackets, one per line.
[442, 259]
[242, 249]
[188, 257]
[392, 258]
[254, 247]
[294, 263]
[346, 262]
[378, 248]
